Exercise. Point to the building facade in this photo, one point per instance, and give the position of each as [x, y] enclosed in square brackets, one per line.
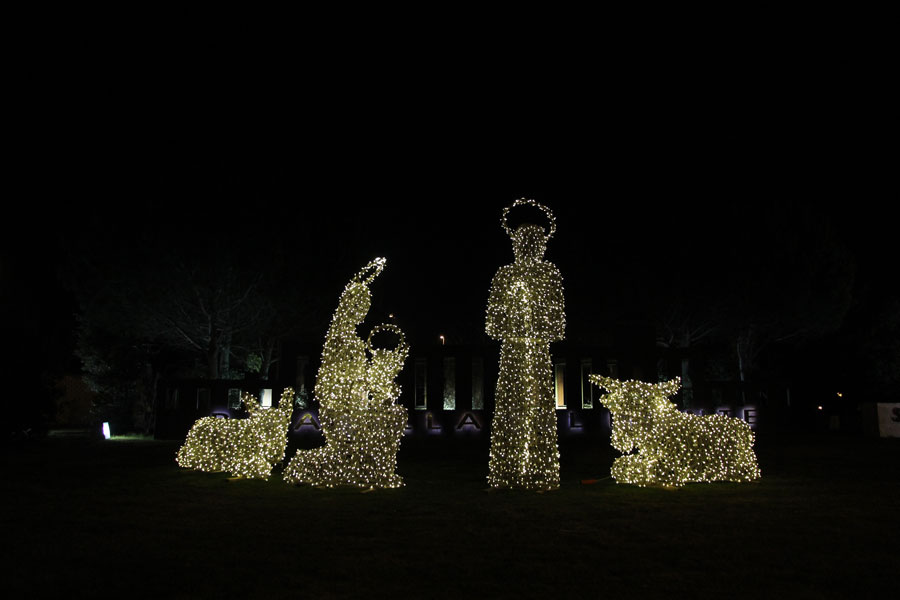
[448, 391]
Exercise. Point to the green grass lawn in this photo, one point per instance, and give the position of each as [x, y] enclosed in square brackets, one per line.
[120, 519]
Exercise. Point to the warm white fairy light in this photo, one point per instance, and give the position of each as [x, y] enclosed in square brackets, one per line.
[243, 447]
[526, 312]
[672, 448]
[358, 413]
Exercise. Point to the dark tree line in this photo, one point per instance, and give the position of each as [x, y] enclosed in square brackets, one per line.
[190, 301]
[35, 322]
[748, 286]
[742, 284]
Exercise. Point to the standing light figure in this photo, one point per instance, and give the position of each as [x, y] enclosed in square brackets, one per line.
[360, 419]
[526, 312]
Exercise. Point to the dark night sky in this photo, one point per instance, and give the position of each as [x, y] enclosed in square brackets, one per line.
[421, 179]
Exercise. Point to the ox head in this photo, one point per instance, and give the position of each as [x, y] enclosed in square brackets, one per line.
[633, 405]
[636, 398]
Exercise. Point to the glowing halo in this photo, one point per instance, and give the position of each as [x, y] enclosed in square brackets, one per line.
[401, 345]
[529, 202]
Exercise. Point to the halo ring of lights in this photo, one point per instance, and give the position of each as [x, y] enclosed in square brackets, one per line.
[386, 327]
[529, 202]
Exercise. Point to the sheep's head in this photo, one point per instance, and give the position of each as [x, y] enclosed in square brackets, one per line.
[286, 404]
[250, 402]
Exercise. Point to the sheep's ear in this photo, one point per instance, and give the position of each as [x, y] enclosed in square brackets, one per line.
[606, 382]
[287, 396]
[670, 387]
[250, 402]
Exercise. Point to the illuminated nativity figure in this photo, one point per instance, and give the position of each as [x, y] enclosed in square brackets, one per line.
[664, 446]
[243, 447]
[526, 312]
[357, 393]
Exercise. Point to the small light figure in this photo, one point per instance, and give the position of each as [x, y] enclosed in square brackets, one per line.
[443, 340]
[105, 428]
[840, 395]
[820, 407]
[243, 447]
[391, 316]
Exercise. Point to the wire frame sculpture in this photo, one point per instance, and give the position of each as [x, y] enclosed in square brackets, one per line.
[357, 393]
[525, 312]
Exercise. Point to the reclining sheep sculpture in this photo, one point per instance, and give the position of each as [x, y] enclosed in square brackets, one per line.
[243, 447]
[671, 447]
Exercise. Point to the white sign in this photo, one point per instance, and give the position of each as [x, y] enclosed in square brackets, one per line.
[889, 420]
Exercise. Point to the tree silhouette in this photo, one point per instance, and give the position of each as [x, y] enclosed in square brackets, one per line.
[196, 301]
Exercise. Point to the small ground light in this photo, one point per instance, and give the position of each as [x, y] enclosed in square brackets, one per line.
[840, 395]
[443, 341]
[819, 407]
[105, 428]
